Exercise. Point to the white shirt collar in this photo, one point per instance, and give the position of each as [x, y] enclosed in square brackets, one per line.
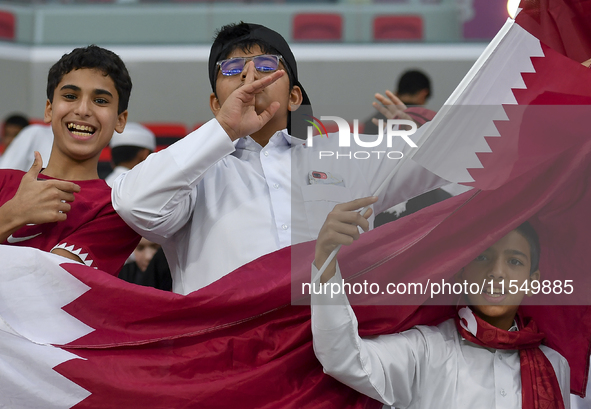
[280, 138]
[514, 327]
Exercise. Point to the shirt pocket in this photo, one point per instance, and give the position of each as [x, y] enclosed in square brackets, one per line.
[319, 200]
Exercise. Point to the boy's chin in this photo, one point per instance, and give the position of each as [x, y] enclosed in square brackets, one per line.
[487, 311]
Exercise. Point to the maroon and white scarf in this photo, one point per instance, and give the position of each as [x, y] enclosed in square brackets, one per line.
[539, 385]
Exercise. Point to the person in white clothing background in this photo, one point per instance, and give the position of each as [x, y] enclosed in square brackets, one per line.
[19, 155]
[242, 186]
[129, 148]
[473, 361]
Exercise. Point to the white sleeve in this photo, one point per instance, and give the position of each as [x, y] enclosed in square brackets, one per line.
[564, 382]
[385, 367]
[410, 180]
[157, 196]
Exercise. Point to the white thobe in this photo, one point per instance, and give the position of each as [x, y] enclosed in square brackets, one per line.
[115, 174]
[424, 367]
[215, 205]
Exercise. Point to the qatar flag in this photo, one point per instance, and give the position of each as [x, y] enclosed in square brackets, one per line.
[521, 105]
[75, 337]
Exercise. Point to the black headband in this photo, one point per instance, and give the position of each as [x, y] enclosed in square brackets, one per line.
[265, 35]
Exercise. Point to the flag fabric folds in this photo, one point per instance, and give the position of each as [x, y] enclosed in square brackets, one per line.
[515, 129]
[72, 336]
[563, 25]
[521, 104]
[76, 337]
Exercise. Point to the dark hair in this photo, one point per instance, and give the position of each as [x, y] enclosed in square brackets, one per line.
[93, 57]
[412, 82]
[236, 37]
[124, 153]
[17, 119]
[529, 234]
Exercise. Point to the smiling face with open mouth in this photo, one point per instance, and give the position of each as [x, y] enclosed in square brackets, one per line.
[83, 115]
[81, 132]
[508, 259]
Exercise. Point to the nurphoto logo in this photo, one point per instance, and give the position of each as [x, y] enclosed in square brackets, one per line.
[402, 128]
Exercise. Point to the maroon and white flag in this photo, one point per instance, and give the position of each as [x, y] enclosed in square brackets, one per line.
[520, 105]
[75, 337]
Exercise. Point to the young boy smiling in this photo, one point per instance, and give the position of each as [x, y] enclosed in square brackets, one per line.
[486, 357]
[65, 208]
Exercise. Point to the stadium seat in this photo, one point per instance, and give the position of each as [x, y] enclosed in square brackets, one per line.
[104, 164]
[7, 25]
[166, 133]
[387, 28]
[317, 27]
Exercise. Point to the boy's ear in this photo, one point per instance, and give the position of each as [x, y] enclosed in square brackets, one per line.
[121, 121]
[295, 98]
[214, 104]
[48, 113]
[535, 276]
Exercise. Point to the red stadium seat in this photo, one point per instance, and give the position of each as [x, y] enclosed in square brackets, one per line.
[317, 27]
[166, 133]
[104, 164]
[105, 154]
[7, 25]
[387, 28]
[37, 121]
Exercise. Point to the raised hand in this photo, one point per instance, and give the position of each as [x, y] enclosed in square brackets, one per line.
[36, 201]
[237, 115]
[341, 228]
[390, 106]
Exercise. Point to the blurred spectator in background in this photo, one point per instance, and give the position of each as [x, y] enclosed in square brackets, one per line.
[149, 267]
[19, 154]
[129, 148]
[12, 125]
[414, 89]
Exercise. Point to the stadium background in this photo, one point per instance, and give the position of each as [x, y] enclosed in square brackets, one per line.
[346, 50]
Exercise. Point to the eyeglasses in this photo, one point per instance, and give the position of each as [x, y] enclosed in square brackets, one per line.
[265, 63]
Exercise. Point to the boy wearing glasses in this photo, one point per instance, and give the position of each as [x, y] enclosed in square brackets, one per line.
[241, 186]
